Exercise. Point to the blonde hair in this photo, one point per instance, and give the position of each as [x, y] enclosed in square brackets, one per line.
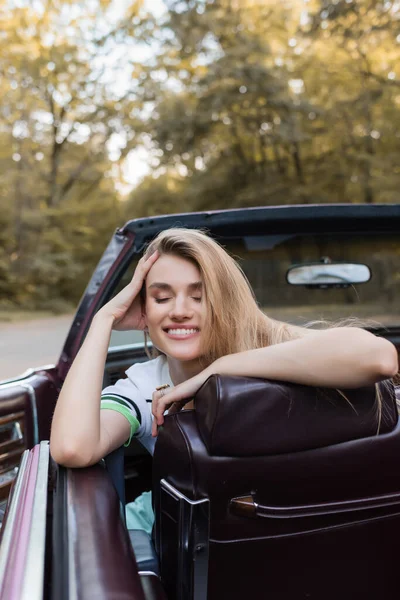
[235, 322]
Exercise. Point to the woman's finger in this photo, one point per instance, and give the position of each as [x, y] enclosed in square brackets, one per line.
[163, 400]
[156, 408]
[176, 407]
[142, 268]
[144, 265]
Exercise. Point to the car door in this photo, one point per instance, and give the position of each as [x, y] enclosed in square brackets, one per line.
[26, 407]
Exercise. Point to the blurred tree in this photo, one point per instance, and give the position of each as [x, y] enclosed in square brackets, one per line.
[349, 64]
[270, 103]
[65, 127]
[224, 116]
[238, 103]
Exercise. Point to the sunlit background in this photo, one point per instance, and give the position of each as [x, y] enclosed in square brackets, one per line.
[112, 110]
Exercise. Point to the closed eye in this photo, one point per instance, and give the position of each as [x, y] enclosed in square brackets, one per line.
[162, 300]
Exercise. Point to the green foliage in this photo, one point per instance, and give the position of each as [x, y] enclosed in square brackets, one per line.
[58, 200]
[271, 103]
[238, 103]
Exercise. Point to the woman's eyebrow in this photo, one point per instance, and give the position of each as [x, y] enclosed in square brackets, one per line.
[196, 285]
[159, 285]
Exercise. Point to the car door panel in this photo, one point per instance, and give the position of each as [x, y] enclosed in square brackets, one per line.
[26, 408]
[99, 562]
[23, 544]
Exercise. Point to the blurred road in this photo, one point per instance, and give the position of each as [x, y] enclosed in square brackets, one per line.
[39, 342]
[31, 344]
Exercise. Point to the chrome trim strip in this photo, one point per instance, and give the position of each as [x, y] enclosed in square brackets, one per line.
[25, 375]
[32, 396]
[11, 517]
[179, 495]
[11, 384]
[193, 550]
[33, 580]
[16, 379]
[124, 347]
[72, 541]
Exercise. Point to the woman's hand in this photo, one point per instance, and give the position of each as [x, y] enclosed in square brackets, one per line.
[126, 307]
[175, 398]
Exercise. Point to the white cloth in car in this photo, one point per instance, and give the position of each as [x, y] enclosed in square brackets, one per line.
[132, 397]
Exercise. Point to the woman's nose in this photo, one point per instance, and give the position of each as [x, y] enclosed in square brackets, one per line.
[181, 309]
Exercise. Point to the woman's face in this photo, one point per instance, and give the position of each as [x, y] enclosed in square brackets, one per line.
[175, 307]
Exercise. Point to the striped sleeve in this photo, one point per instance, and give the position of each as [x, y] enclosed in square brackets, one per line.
[119, 398]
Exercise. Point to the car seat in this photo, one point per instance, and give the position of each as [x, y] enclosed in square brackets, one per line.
[279, 491]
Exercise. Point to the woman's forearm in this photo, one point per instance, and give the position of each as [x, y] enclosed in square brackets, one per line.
[339, 358]
[76, 421]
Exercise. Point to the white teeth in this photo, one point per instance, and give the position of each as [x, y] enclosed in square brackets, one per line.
[182, 331]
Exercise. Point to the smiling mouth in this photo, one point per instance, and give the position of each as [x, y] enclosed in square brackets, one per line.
[182, 332]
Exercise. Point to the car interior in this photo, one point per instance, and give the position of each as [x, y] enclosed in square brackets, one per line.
[305, 483]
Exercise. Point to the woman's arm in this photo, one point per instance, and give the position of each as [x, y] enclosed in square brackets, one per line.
[81, 434]
[342, 357]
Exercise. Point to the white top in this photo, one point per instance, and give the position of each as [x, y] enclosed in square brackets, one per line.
[132, 397]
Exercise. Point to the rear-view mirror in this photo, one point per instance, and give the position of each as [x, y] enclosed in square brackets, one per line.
[328, 274]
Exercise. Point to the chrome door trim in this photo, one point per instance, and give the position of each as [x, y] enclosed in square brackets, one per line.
[193, 551]
[33, 580]
[179, 495]
[125, 347]
[11, 516]
[24, 375]
[32, 397]
[72, 541]
[14, 380]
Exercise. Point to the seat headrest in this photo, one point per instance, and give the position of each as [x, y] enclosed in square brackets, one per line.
[243, 416]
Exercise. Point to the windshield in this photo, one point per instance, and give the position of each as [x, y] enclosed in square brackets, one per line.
[266, 260]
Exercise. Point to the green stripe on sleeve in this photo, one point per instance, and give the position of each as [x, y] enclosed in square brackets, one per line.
[125, 402]
[133, 422]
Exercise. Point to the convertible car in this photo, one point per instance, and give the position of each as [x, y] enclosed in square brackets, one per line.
[298, 498]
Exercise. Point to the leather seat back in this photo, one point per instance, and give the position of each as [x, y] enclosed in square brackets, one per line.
[303, 495]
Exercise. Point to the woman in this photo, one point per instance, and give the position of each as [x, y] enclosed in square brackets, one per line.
[200, 313]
